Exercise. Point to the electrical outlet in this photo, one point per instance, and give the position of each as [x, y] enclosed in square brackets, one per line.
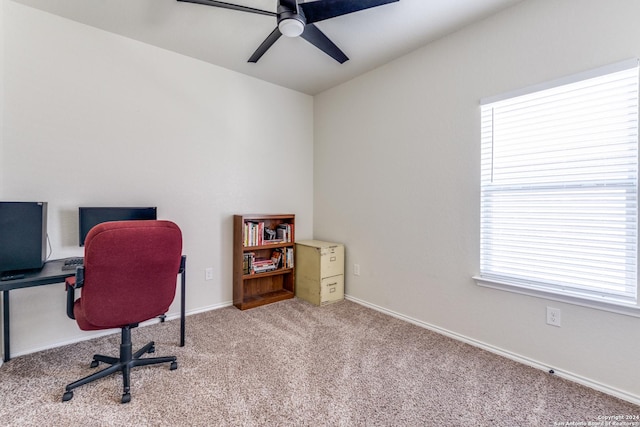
[208, 273]
[553, 316]
[356, 269]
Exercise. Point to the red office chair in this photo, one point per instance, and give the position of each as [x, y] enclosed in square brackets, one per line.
[129, 276]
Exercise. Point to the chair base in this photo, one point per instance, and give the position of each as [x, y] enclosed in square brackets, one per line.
[124, 364]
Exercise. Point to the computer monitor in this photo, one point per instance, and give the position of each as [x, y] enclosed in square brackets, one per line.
[23, 235]
[89, 217]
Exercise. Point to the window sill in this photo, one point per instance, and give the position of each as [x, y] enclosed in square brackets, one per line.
[625, 309]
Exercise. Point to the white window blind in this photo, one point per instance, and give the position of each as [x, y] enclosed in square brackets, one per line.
[559, 187]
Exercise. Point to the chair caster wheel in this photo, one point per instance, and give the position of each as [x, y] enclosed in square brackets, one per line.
[152, 349]
[174, 366]
[126, 398]
[94, 364]
[67, 396]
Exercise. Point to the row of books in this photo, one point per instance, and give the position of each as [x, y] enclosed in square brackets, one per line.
[280, 258]
[256, 234]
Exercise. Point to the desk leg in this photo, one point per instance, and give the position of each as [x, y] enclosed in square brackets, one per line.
[182, 305]
[5, 325]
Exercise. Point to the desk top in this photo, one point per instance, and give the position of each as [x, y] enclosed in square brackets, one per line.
[51, 272]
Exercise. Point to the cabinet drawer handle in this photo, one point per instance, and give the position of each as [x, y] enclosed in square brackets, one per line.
[332, 259]
[332, 284]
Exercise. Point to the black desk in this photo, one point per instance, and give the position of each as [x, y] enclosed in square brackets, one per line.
[52, 273]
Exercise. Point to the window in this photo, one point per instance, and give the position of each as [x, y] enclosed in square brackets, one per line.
[559, 198]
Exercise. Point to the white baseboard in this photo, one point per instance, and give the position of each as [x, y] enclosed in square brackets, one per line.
[505, 353]
[172, 316]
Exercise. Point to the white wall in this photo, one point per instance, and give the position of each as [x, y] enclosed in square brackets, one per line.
[92, 118]
[397, 178]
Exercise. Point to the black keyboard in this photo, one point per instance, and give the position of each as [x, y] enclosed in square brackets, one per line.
[72, 263]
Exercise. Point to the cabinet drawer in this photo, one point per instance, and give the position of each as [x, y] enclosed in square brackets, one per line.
[331, 261]
[331, 289]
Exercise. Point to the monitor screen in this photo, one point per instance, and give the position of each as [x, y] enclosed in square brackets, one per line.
[23, 235]
[92, 216]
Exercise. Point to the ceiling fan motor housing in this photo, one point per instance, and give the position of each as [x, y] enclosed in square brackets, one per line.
[291, 22]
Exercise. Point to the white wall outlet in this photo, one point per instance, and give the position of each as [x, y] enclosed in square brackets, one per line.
[356, 269]
[553, 316]
[208, 273]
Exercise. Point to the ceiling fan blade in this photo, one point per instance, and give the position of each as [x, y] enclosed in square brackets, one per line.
[325, 9]
[313, 35]
[230, 6]
[266, 44]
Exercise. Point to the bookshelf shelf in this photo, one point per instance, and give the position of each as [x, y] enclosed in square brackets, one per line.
[268, 273]
[263, 254]
[267, 246]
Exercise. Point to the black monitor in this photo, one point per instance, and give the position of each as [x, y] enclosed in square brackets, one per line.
[23, 235]
[92, 216]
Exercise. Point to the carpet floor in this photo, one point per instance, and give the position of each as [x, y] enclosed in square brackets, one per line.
[295, 364]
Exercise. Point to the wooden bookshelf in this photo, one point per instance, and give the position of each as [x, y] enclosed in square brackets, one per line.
[257, 282]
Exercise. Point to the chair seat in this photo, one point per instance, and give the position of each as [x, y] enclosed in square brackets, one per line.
[86, 325]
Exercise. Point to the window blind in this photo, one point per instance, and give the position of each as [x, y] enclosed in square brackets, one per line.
[559, 171]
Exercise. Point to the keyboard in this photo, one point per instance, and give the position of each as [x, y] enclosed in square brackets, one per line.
[72, 263]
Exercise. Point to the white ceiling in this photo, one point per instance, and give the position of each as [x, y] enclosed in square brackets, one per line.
[227, 38]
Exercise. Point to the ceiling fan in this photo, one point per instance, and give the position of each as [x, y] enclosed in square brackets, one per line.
[297, 19]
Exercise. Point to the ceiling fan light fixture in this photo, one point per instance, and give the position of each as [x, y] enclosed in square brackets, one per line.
[291, 27]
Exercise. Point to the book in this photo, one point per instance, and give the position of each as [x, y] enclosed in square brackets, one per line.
[262, 265]
[247, 263]
[253, 233]
[289, 258]
[283, 232]
[276, 257]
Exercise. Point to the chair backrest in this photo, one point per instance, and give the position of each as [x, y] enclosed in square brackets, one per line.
[130, 271]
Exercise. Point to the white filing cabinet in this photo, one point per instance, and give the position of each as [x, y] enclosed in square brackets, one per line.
[319, 271]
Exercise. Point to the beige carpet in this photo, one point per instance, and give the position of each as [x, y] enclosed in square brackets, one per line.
[294, 364]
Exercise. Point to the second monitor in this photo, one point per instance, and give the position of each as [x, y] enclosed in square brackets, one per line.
[91, 216]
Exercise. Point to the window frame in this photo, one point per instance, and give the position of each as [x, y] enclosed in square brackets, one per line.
[532, 289]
